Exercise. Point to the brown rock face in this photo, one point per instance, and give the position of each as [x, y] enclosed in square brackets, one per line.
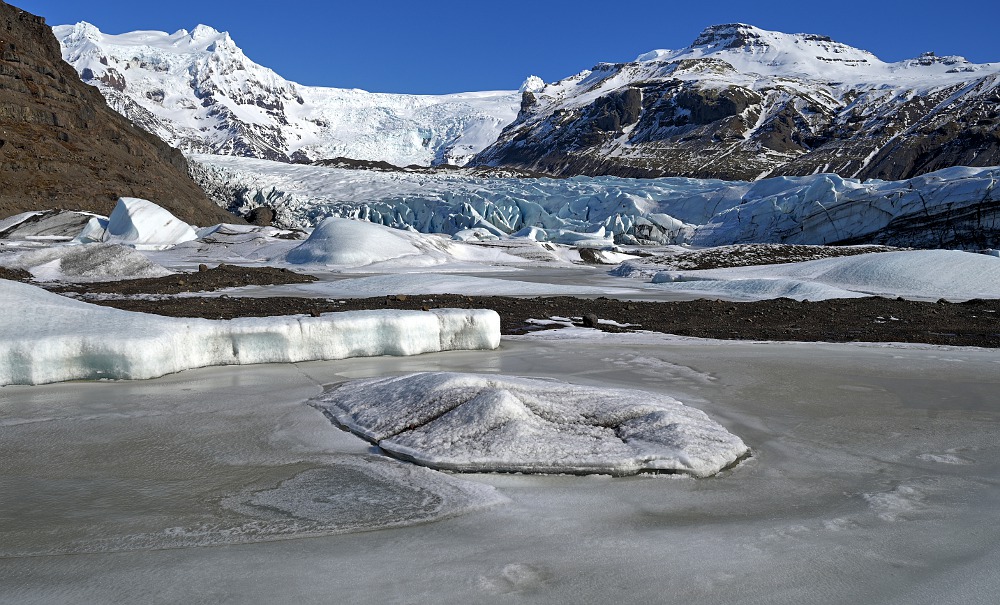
[61, 146]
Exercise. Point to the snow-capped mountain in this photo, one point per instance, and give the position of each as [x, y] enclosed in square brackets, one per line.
[198, 91]
[744, 103]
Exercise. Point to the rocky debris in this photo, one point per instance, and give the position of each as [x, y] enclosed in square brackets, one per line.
[204, 280]
[589, 320]
[971, 323]
[15, 274]
[475, 171]
[62, 146]
[747, 255]
[262, 216]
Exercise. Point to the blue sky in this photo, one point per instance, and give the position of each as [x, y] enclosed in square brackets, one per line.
[438, 46]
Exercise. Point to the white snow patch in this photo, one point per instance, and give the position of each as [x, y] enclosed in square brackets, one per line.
[752, 289]
[919, 274]
[479, 422]
[435, 283]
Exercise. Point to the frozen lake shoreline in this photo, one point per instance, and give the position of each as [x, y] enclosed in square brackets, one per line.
[873, 470]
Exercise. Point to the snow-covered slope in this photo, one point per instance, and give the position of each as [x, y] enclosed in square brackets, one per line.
[957, 207]
[742, 102]
[198, 91]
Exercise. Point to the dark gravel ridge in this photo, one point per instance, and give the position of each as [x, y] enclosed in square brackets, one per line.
[204, 280]
[874, 319]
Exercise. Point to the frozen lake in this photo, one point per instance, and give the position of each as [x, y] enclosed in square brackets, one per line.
[873, 480]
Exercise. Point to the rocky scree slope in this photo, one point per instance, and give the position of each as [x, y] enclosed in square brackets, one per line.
[61, 146]
[742, 103]
[198, 91]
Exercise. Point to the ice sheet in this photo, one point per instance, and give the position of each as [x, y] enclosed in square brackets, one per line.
[840, 502]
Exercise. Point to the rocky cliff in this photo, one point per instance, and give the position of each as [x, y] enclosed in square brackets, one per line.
[61, 146]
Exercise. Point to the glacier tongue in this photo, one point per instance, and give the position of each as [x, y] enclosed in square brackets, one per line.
[955, 207]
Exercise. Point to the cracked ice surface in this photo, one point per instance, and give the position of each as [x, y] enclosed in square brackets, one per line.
[471, 422]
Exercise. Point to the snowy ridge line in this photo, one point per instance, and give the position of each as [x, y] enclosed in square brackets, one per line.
[54, 338]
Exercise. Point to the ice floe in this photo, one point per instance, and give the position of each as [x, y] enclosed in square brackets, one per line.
[480, 422]
[52, 338]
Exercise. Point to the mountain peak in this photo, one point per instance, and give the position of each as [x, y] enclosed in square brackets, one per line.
[203, 32]
[740, 36]
[84, 31]
[728, 36]
[750, 49]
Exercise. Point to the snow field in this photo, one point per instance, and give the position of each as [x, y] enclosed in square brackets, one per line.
[480, 422]
[918, 274]
[53, 338]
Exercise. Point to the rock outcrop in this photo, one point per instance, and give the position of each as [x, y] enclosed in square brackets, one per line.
[61, 146]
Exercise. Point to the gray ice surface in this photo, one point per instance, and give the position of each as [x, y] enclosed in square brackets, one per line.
[874, 479]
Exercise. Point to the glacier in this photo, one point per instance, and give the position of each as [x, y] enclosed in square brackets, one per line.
[955, 207]
[53, 338]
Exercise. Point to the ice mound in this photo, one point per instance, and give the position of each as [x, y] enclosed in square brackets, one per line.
[89, 262]
[353, 243]
[479, 422]
[141, 224]
[52, 338]
[338, 241]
